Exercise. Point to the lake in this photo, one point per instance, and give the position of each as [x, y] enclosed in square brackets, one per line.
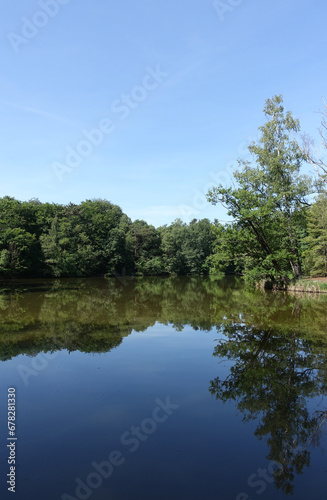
[162, 388]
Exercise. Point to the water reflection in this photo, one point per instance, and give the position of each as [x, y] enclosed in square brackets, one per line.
[94, 315]
[274, 343]
[272, 380]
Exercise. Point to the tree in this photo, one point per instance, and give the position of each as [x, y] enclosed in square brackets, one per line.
[230, 250]
[87, 239]
[198, 246]
[67, 249]
[269, 203]
[96, 238]
[173, 237]
[144, 244]
[316, 241]
[18, 252]
[106, 227]
[187, 248]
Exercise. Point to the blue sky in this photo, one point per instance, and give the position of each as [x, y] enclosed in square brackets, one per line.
[177, 88]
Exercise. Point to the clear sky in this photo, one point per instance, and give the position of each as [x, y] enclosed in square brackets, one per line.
[148, 103]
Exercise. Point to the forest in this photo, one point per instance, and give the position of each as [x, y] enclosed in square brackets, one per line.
[278, 230]
[96, 238]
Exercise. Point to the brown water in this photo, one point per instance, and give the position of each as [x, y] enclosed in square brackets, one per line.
[165, 388]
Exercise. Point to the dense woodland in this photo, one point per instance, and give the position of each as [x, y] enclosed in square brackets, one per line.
[96, 238]
[278, 232]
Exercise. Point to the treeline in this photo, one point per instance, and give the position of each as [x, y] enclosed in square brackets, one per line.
[278, 230]
[96, 238]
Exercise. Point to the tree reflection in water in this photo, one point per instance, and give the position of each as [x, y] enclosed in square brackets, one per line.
[276, 342]
[272, 380]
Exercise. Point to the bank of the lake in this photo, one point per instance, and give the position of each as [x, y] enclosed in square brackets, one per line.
[309, 285]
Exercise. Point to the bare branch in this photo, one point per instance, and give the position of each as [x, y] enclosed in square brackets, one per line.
[307, 148]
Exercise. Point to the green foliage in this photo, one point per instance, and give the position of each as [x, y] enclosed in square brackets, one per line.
[316, 241]
[18, 251]
[187, 248]
[173, 237]
[230, 254]
[273, 235]
[198, 246]
[105, 225]
[144, 244]
[67, 249]
[96, 238]
[268, 203]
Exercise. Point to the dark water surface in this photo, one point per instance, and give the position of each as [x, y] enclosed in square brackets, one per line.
[163, 388]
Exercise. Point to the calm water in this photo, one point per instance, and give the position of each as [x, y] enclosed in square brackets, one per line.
[163, 388]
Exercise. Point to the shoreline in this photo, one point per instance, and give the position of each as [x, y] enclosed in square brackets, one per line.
[308, 285]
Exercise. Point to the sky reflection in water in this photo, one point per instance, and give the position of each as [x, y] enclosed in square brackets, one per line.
[245, 372]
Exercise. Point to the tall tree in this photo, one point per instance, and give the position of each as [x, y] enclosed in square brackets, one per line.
[269, 202]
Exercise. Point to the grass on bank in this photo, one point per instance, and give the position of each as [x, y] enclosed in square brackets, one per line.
[313, 285]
